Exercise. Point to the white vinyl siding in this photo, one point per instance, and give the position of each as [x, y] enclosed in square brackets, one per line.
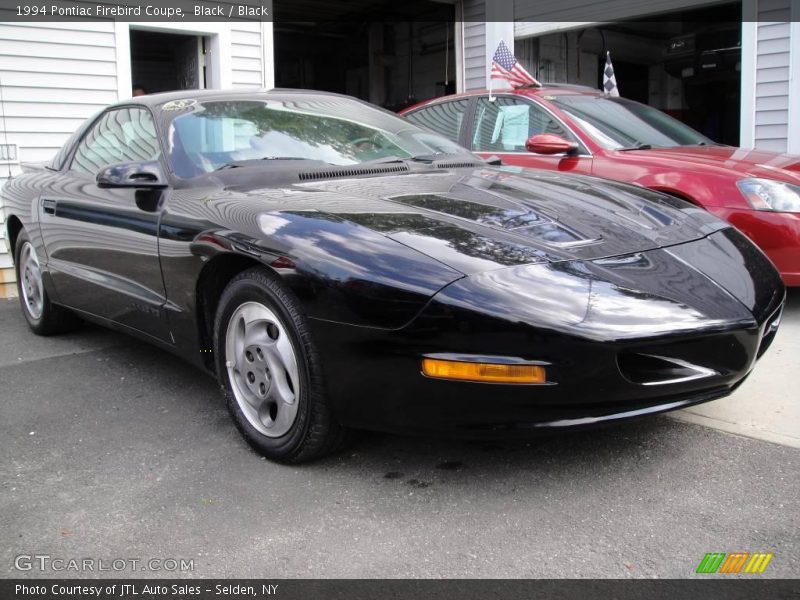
[474, 45]
[54, 75]
[246, 55]
[772, 77]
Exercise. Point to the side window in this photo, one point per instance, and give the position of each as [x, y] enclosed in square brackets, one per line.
[505, 124]
[444, 118]
[122, 135]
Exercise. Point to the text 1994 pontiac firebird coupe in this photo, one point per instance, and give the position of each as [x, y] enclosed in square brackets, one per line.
[338, 267]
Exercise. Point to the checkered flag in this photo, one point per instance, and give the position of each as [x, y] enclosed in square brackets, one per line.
[609, 79]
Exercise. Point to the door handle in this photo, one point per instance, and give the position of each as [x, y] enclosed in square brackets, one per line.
[49, 206]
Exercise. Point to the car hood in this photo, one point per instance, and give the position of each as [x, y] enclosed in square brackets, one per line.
[738, 162]
[475, 220]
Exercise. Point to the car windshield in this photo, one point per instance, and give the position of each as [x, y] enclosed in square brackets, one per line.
[620, 124]
[330, 129]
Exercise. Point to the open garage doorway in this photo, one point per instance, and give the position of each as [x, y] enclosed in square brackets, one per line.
[403, 55]
[686, 63]
[162, 62]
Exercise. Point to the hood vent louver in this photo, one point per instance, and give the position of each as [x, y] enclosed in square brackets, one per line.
[350, 172]
[457, 165]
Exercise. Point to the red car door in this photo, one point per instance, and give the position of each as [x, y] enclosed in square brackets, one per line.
[502, 126]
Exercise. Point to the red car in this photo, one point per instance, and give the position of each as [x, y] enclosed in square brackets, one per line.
[577, 129]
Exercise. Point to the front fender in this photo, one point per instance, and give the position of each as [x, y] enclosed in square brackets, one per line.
[340, 271]
[707, 191]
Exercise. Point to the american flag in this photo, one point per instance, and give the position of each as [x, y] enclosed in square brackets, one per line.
[506, 67]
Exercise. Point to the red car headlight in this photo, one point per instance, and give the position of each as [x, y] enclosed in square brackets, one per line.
[768, 194]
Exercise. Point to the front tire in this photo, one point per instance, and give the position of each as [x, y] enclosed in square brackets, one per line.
[270, 371]
[43, 317]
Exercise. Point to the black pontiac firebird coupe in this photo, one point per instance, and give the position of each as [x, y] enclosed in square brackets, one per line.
[338, 267]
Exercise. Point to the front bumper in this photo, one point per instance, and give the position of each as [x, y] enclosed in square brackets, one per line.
[595, 329]
[375, 381]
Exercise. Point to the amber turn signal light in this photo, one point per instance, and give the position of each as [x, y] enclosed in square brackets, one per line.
[482, 372]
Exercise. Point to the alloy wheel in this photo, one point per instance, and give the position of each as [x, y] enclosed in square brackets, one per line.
[30, 274]
[263, 368]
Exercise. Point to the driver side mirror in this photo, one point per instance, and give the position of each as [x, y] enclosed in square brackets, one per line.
[137, 175]
[548, 143]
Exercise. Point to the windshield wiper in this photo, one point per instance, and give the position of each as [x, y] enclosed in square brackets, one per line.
[429, 158]
[384, 160]
[423, 158]
[286, 158]
[251, 161]
[701, 143]
[639, 147]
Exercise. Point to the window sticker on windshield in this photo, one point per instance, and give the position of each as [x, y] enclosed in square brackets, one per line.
[549, 97]
[179, 104]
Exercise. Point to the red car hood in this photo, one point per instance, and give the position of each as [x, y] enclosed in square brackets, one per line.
[741, 161]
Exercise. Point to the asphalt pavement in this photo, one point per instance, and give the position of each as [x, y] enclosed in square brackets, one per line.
[112, 449]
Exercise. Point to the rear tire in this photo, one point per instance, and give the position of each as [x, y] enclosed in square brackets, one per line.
[270, 371]
[43, 317]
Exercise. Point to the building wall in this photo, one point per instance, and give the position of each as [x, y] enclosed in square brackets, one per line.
[56, 75]
[474, 37]
[772, 86]
[247, 55]
[53, 76]
[770, 118]
[771, 124]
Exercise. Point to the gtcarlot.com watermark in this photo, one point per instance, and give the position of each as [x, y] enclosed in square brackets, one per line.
[47, 563]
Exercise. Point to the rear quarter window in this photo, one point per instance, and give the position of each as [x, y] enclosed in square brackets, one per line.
[445, 118]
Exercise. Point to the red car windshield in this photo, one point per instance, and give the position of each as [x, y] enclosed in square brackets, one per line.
[621, 124]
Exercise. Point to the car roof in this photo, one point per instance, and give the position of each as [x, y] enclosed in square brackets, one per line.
[156, 100]
[547, 89]
[561, 88]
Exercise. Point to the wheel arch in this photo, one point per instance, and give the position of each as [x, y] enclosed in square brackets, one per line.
[13, 227]
[213, 279]
[676, 194]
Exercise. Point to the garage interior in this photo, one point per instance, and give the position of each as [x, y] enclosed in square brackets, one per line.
[389, 53]
[686, 63]
[161, 62]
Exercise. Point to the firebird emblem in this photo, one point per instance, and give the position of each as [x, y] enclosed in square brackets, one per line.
[179, 104]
